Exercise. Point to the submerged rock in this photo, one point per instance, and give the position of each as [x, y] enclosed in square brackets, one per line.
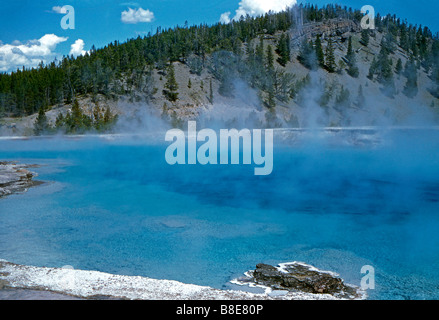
[297, 276]
[15, 178]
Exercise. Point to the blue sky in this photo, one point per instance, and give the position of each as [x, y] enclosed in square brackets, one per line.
[415, 11]
[99, 22]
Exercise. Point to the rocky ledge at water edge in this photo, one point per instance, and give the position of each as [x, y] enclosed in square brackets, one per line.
[300, 277]
[16, 177]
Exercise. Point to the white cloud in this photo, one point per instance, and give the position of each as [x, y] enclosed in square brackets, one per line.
[256, 8]
[77, 48]
[17, 55]
[137, 15]
[225, 17]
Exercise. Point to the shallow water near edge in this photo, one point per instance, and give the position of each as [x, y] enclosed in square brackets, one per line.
[116, 206]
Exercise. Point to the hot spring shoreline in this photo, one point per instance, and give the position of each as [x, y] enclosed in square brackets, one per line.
[43, 283]
[16, 178]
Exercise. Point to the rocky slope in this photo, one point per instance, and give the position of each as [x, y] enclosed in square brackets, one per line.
[245, 107]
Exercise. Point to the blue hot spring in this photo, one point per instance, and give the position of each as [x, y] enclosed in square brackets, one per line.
[336, 201]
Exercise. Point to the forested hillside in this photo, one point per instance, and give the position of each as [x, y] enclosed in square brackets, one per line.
[285, 59]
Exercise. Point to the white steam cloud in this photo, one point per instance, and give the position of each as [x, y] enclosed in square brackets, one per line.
[257, 7]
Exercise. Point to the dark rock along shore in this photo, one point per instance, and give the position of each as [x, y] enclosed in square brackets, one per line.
[302, 277]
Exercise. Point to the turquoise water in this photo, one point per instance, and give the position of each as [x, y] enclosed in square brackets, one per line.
[117, 206]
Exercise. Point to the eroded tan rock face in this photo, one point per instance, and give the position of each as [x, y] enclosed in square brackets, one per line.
[333, 27]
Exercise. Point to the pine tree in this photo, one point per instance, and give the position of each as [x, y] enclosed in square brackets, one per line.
[353, 70]
[60, 122]
[270, 58]
[384, 71]
[270, 98]
[41, 125]
[389, 42]
[76, 121]
[365, 37]
[383, 65]
[77, 115]
[341, 66]
[411, 73]
[372, 69]
[330, 58]
[307, 55]
[259, 52]
[109, 118]
[171, 85]
[403, 39]
[210, 91]
[283, 50]
[319, 51]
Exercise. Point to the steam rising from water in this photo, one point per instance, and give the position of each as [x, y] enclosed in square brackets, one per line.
[244, 109]
[336, 199]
